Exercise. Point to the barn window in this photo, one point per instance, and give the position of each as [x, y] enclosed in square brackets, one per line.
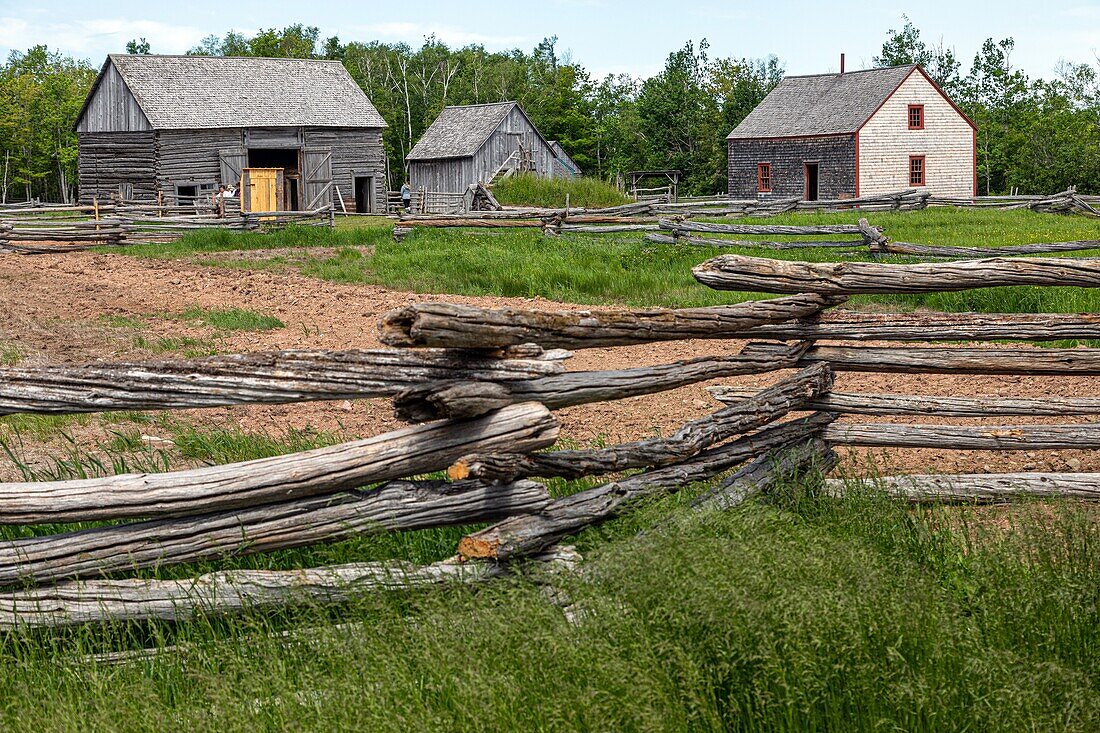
[916, 170]
[764, 177]
[916, 117]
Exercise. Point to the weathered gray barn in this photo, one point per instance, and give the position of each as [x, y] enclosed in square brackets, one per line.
[476, 143]
[182, 125]
[859, 133]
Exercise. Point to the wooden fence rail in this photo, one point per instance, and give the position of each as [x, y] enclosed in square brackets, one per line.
[410, 452]
[446, 325]
[857, 403]
[857, 326]
[258, 378]
[738, 272]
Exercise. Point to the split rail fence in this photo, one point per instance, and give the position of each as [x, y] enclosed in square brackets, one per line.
[480, 386]
[39, 230]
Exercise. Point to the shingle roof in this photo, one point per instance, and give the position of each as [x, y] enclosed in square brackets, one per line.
[458, 132]
[191, 92]
[822, 104]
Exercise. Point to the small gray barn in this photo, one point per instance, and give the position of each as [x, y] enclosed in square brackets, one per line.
[478, 143]
[182, 125]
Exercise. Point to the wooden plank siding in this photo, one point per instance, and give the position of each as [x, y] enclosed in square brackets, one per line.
[355, 152]
[110, 159]
[163, 160]
[946, 142]
[112, 107]
[188, 157]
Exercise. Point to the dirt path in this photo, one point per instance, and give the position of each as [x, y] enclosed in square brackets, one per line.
[58, 309]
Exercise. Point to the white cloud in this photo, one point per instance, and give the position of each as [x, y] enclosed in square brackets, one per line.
[415, 33]
[96, 37]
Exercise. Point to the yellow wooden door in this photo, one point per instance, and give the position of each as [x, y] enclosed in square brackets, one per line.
[262, 189]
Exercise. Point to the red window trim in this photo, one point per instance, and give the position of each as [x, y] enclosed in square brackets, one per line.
[909, 116]
[760, 178]
[923, 170]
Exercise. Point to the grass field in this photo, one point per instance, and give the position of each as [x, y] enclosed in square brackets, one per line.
[798, 612]
[624, 268]
[802, 613]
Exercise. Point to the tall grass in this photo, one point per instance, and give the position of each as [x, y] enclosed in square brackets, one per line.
[805, 614]
[531, 190]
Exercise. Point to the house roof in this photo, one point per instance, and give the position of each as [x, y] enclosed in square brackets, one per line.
[822, 104]
[459, 132]
[192, 92]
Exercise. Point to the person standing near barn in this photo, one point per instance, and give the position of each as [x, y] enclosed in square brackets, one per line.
[406, 197]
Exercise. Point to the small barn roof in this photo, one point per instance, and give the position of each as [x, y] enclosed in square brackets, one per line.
[822, 104]
[563, 157]
[460, 131]
[202, 92]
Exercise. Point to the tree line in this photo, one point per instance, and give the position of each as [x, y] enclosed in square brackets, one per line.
[1034, 135]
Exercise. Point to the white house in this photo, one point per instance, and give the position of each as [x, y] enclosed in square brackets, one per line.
[854, 134]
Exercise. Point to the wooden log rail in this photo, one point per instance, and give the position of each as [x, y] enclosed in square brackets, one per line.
[760, 229]
[747, 243]
[236, 591]
[258, 378]
[693, 437]
[469, 399]
[965, 437]
[922, 250]
[956, 360]
[400, 505]
[531, 533]
[856, 326]
[447, 325]
[413, 451]
[857, 403]
[993, 488]
[739, 272]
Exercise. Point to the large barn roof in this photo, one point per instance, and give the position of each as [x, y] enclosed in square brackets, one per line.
[822, 104]
[194, 92]
[459, 132]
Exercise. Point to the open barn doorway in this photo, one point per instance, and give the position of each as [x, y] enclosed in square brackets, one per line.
[811, 181]
[364, 194]
[289, 160]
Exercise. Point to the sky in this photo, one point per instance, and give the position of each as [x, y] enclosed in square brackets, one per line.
[604, 36]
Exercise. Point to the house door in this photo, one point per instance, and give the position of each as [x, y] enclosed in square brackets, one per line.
[364, 194]
[811, 181]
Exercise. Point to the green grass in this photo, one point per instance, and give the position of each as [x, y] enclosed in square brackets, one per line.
[228, 319]
[349, 232]
[804, 613]
[585, 192]
[10, 354]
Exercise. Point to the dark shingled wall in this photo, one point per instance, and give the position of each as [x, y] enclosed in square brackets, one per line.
[835, 156]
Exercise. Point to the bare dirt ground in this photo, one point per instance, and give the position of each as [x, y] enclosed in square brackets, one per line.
[63, 308]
